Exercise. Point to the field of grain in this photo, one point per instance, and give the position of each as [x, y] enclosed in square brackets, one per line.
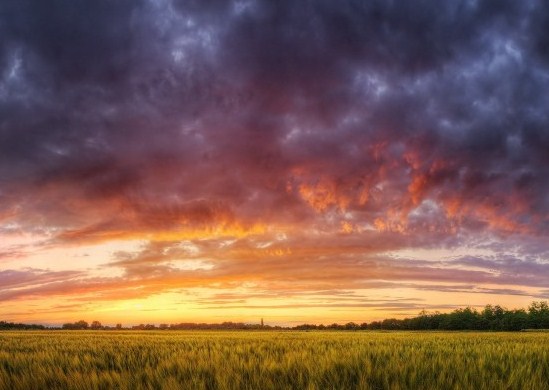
[272, 360]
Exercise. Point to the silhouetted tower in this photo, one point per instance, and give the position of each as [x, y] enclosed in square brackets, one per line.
[262, 322]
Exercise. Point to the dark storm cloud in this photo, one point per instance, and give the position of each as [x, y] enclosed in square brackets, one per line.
[69, 37]
[453, 88]
[424, 122]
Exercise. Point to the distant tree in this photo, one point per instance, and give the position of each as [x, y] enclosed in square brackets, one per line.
[118, 326]
[515, 320]
[76, 325]
[374, 325]
[351, 326]
[391, 324]
[461, 319]
[539, 315]
[95, 325]
[81, 324]
[491, 318]
[305, 327]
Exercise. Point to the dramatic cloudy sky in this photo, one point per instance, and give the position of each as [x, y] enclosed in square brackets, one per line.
[301, 161]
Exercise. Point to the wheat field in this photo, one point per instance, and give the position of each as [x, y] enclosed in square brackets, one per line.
[272, 360]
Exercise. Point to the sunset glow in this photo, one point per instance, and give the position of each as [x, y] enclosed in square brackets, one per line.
[167, 161]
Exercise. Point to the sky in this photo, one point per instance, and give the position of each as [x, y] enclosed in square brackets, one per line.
[318, 161]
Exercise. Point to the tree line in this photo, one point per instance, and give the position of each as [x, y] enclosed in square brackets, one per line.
[490, 318]
[10, 325]
[96, 325]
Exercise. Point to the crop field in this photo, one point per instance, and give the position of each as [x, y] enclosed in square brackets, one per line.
[272, 360]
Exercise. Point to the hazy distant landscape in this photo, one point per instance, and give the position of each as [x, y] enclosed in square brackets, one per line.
[491, 318]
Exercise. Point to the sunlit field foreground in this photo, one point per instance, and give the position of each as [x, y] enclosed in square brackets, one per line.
[272, 360]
